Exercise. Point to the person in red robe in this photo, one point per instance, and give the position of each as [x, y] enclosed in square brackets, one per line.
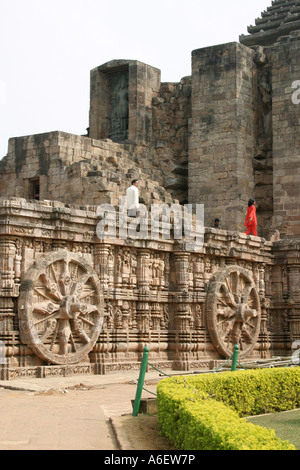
[251, 220]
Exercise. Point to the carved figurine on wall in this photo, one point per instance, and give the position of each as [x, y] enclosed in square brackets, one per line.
[122, 100]
[119, 112]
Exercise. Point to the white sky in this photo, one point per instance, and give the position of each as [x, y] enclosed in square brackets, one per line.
[47, 49]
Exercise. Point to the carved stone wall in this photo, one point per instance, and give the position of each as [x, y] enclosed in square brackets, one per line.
[70, 303]
[284, 319]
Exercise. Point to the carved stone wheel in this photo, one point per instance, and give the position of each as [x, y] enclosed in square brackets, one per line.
[61, 308]
[233, 311]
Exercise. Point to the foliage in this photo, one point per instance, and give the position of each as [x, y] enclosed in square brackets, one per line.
[205, 411]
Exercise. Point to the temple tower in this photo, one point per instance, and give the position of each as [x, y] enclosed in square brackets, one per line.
[276, 36]
[245, 125]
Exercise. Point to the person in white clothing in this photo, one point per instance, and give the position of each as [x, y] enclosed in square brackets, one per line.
[132, 195]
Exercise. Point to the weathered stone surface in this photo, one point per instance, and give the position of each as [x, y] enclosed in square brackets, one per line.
[71, 302]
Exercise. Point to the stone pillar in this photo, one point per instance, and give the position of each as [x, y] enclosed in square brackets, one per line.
[294, 282]
[143, 312]
[181, 263]
[143, 274]
[264, 336]
[261, 282]
[276, 282]
[102, 263]
[143, 317]
[6, 314]
[7, 264]
[294, 324]
[8, 289]
[222, 138]
[183, 318]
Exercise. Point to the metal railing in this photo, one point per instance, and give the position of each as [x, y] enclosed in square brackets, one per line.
[255, 364]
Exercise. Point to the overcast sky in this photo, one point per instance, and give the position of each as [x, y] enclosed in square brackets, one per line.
[47, 49]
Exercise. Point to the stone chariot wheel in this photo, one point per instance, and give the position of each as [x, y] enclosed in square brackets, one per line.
[61, 308]
[233, 311]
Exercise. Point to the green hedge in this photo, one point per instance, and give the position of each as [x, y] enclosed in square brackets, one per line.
[251, 392]
[205, 411]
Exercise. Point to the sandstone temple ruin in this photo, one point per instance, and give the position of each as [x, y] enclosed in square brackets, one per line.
[71, 302]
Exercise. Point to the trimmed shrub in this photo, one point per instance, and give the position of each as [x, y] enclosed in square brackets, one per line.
[251, 392]
[205, 411]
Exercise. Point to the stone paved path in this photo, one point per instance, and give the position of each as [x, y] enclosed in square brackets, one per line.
[65, 414]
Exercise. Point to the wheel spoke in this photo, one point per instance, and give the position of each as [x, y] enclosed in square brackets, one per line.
[40, 292]
[88, 322]
[52, 288]
[54, 273]
[86, 293]
[45, 308]
[229, 296]
[73, 342]
[52, 315]
[247, 290]
[81, 282]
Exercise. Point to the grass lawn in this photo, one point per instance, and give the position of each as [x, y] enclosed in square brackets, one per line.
[285, 424]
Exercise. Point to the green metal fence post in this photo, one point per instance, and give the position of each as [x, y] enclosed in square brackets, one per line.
[234, 357]
[141, 380]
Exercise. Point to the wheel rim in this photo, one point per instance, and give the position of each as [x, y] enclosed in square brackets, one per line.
[60, 308]
[233, 311]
